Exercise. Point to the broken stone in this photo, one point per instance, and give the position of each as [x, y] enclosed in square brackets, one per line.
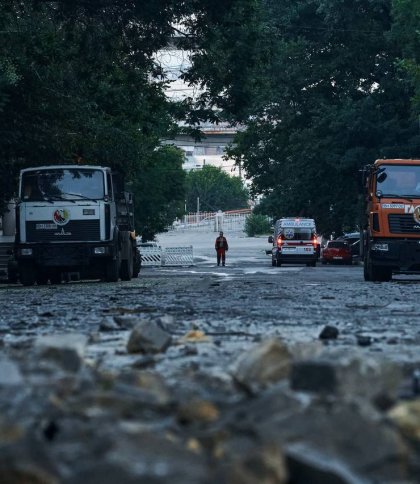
[197, 411]
[364, 340]
[347, 376]
[9, 372]
[109, 324]
[148, 337]
[66, 349]
[406, 416]
[265, 363]
[329, 332]
[195, 336]
[265, 465]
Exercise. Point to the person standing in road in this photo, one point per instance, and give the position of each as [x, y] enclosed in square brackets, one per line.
[221, 247]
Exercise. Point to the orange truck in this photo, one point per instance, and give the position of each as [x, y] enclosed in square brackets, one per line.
[390, 239]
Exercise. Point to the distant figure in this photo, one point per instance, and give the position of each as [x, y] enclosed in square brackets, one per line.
[221, 247]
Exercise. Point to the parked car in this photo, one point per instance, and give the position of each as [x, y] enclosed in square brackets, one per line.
[336, 251]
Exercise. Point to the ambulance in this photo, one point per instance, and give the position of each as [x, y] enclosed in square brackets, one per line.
[294, 242]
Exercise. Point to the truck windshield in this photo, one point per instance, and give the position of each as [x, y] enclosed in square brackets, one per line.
[297, 233]
[398, 180]
[62, 184]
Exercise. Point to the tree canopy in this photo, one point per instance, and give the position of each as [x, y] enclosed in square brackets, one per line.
[215, 189]
[335, 99]
[321, 87]
[79, 81]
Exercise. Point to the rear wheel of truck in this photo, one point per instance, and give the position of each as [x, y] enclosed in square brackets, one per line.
[112, 270]
[126, 271]
[27, 274]
[273, 262]
[374, 273]
[42, 279]
[137, 263]
[55, 277]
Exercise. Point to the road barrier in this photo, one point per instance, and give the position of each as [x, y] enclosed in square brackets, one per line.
[151, 256]
[178, 256]
[169, 256]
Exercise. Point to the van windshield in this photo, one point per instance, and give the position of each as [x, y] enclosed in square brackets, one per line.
[297, 233]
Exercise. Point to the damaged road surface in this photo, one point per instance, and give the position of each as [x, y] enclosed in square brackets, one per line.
[240, 374]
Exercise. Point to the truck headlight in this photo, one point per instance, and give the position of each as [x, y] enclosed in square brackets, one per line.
[381, 247]
[99, 250]
[25, 251]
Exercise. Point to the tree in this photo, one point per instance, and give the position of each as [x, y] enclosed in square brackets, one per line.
[334, 101]
[215, 189]
[405, 32]
[78, 81]
[159, 191]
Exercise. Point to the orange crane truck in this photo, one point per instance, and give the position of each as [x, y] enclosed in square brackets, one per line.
[390, 239]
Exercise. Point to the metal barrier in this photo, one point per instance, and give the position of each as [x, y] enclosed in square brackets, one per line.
[178, 256]
[151, 256]
[169, 256]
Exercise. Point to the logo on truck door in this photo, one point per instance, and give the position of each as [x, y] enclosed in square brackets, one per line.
[61, 216]
[416, 214]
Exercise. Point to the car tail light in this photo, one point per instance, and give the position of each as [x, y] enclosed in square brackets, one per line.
[279, 241]
[315, 241]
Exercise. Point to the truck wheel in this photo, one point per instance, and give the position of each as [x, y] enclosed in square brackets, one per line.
[137, 263]
[273, 262]
[112, 270]
[41, 279]
[12, 272]
[27, 274]
[126, 271]
[375, 273]
[55, 277]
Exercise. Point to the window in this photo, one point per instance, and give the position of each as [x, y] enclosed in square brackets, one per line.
[63, 184]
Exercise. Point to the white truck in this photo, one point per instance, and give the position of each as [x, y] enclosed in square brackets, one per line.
[74, 219]
[294, 242]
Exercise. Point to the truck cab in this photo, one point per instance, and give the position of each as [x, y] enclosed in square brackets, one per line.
[294, 242]
[74, 219]
[390, 241]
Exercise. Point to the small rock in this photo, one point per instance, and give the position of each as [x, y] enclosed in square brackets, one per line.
[195, 336]
[197, 411]
[109, 324]
[148, 337]
[265, 363]
[9, 372]
[406, 416]
[314, 376]
[66, 349]
[266, 465]
[329, 332]
[144, 362]
[364, 340]
[126, 322]
[348, 377]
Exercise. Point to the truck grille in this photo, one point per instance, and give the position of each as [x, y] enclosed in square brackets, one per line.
[81, 230]
[403, 224]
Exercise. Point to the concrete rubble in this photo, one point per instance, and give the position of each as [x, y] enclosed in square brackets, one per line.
[289, 419]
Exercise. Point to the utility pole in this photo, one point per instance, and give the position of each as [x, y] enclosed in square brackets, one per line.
[198, 210]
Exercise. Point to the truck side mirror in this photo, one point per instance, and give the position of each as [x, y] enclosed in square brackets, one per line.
[270, 239]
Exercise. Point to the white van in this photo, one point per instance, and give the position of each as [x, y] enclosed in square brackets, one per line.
[294, 242]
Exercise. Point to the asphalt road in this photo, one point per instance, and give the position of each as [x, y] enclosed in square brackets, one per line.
[245, 301]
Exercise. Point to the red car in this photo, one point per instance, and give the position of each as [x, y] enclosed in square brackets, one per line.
[336, 251]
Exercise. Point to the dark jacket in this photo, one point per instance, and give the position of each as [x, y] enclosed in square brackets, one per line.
[221, 243]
